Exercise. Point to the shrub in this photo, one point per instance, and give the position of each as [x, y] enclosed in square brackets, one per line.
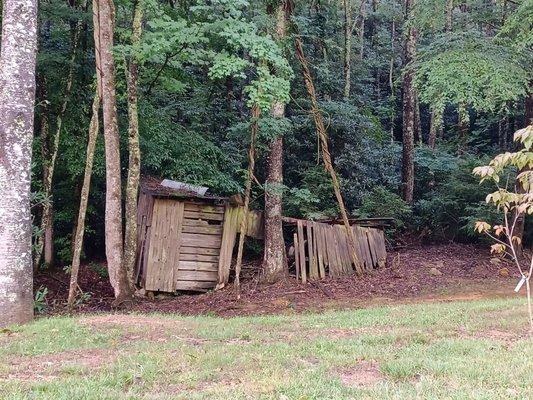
[380, 202]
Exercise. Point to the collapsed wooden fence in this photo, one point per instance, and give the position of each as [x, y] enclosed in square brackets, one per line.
[322, 249]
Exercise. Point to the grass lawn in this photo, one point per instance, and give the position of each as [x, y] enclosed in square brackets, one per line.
[457, 350]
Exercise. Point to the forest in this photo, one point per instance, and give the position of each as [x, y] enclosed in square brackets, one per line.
[409, 122]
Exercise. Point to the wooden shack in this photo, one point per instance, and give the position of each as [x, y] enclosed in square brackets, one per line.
[186, 238]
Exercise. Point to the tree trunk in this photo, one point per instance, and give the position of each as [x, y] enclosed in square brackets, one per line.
[17, 101]
[435, 126]
[347, 48]
[134, 168]
[84, 198]
[449, 15]
[103, 18]
[519, 188]
[418, 124]
[362, 29]
[274, 261]
[391, 80]
[409, 104]
[463, 125]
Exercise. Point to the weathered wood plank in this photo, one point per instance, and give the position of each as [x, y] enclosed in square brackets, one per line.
[198, 266]
[229, 234]
[301, 249]
[313, 268]
[195, 285]
[197, 240]
[296, 256]
[204, 216]
[382, 248]
[197, 222]
[164, 246]
[199, 250]
[206, 229]
[254, 223]
[197, 276]
[206, 208]
[199, 257]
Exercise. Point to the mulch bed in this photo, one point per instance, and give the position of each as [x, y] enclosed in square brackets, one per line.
[419, 272]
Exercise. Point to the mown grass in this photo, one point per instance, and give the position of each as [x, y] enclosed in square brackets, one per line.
[461, 350]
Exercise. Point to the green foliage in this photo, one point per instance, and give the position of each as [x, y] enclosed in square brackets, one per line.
[380, 202]
[468, 68]
[450, 197]
[100, 269]
[204, 63]
[40, 304]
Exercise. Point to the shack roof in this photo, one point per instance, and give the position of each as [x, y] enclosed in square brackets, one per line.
[152, 186]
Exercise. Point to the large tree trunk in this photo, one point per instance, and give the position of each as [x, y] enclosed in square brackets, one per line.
[274, 261]
[17, 100]
[84, 199]
[103, 18]
[134, 168]
[409, 114]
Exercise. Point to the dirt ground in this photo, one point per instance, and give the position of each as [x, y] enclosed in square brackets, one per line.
[419, 273]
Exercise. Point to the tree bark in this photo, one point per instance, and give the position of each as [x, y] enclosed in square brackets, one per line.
[104, 17]
[435, 127]
[391, 80]
[449, 15]
[347, 48]
[134, 167]
[409, 104]
[418, 124]
[17, 101]
[274, 260]
[84, 199]
[362, 29]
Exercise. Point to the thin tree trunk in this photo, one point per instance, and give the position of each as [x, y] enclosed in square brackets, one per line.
[435, 126]
[409, 104]
[84, 199]
[17, 101]
[362, 29]
[463, 125]
[134, 168]
[347, 48]
[247, 192]
[391, 80]
[46, 242]
[104, 17]
[418, 124]
[274, 260]
[323, 136]
[519, 188]
[449, 15]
